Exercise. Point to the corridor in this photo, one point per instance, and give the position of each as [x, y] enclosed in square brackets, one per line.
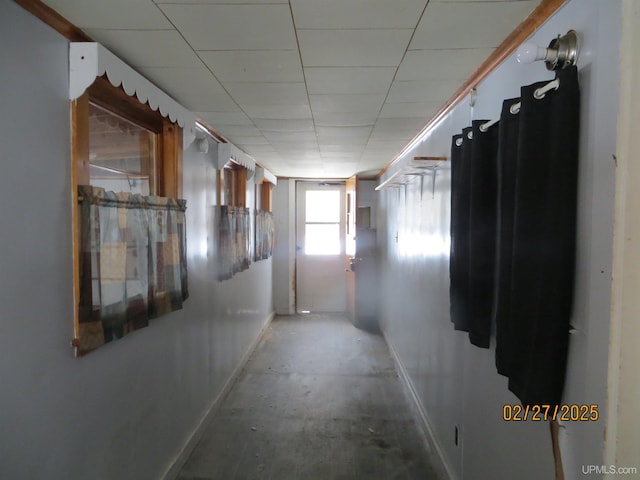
[318, 399]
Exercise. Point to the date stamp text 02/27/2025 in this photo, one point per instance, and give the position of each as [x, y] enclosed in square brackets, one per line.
[539, 413]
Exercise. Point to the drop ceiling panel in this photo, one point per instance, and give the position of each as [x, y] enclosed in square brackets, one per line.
[275, 125]
[369, 103]
[421, 91]
[234, 27]
[469, 25]
[364, 14]
[175, 80]
[344, 119]
[148, 48]
[441, 64]
[234, 117]
[140, 14]
[396, 128]
[290, 137]
[343, 93]
[278, 112]
[413, 109]
[243, 2]
[296, 147]
[254, 66]
[349, 80]
[341, 149]
[255, 140]
[357, 133]
[268, 93]
[239, 131]
[353, 48]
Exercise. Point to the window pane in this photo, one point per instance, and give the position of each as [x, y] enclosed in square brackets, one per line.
[121, 153]
[322, 239]
[322, 206]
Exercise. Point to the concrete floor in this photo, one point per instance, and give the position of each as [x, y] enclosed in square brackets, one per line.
[318, 399]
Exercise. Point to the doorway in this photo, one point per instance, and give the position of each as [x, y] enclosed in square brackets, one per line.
[320, 247]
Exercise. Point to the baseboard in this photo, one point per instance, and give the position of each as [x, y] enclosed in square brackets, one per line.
[436, 453]
[192, 441]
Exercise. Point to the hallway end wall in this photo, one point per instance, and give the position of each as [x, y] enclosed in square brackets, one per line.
[126, 410]
[456, 384]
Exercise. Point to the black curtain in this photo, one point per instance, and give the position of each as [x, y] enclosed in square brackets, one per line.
[459, 230]
[482, 230]
[473, 227]
[507, 167]
[540, 290]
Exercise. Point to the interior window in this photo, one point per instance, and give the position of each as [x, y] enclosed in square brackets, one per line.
[232, 189]
[122, 154]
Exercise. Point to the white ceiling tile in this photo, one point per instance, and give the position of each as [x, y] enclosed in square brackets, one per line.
[213, 102]
[327, 149]
[302, 145]
[349, 80]
[237, 117]
[344, 119]
[421, 91]
[341, 157]
[353, 48]
[239, 131]
[412, 109]
[346, 141]
[469, 25]
[260, 150]
[213, 2]
[441, 64]
[254, 140]
[290, 137]
[397, 128]
[254, 66]
[140, 14]
[276, 125]
[369, 103]
[175, 80]
[282, 112]
[366, 14]
[389, 146]
[301, 155]
[268, 93]
[358, 133]
[234, 27]
[148, 48]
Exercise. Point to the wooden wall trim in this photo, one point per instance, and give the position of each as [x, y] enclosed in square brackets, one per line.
[523, 31]
[56, 21]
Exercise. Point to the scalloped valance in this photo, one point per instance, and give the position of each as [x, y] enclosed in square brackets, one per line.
[89, 60]
[228, 151]
[262, 174]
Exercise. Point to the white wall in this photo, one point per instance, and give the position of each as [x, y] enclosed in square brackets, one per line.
[457, 383]
[284, 195]
[126, 410]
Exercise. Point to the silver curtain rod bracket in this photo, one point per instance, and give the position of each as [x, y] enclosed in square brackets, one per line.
[561, 52]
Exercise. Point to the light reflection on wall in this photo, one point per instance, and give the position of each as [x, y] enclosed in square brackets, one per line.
[416, 244]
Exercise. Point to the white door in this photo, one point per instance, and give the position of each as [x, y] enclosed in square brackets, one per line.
[320, 234]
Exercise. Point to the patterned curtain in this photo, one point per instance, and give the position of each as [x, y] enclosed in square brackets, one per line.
[132, 263]
[265, 230]
[234, 240]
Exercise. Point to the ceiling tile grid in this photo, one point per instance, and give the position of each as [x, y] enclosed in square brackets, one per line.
[308, 88]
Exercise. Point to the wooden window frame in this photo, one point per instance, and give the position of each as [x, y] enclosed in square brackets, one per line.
[167, 171]
[264, 200]
[235, 181]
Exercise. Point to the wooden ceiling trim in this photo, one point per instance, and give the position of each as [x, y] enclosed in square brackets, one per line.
[539, 15]
[56, 21]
